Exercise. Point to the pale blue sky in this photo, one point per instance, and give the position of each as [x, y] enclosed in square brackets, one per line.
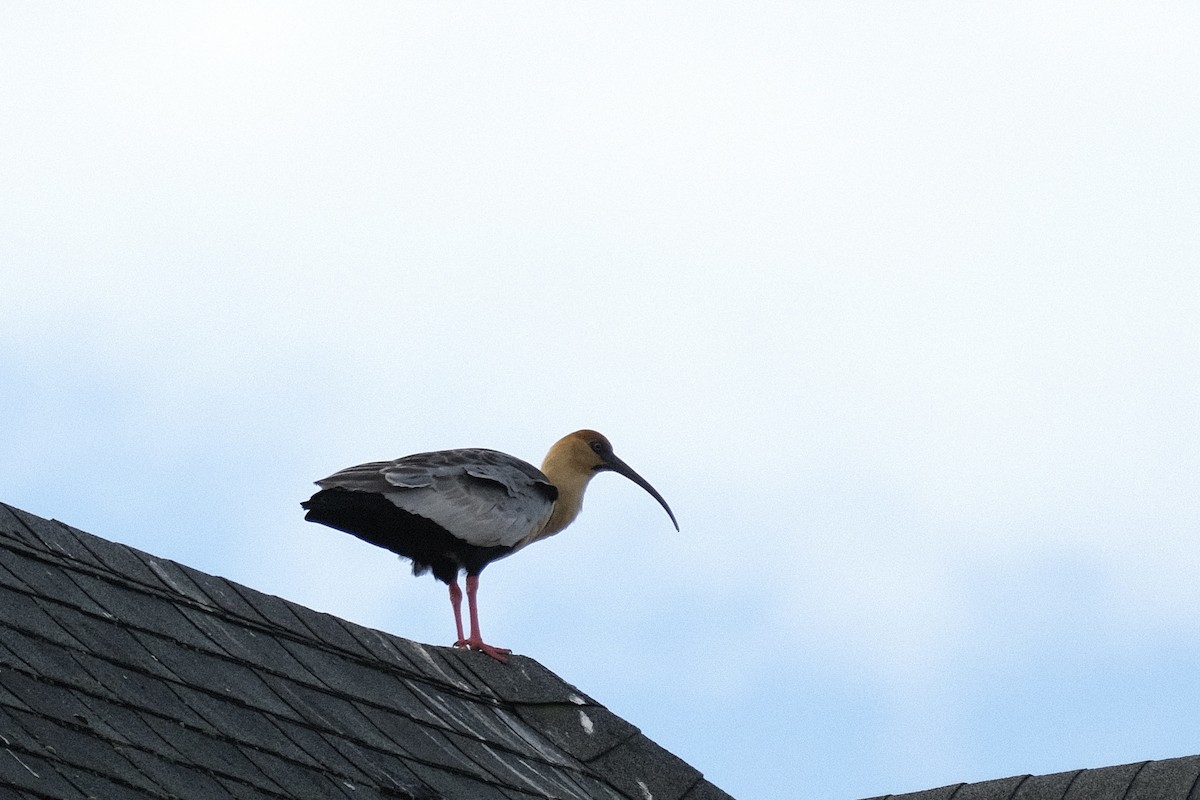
[897, 304]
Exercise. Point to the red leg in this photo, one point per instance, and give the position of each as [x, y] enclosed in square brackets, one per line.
[456, 602]
[475, 642]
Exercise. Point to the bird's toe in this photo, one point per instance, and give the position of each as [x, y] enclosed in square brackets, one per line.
[499, 653]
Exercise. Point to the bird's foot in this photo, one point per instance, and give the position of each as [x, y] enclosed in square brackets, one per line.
[475, 643]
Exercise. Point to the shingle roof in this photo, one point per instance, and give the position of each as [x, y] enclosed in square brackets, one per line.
[124, 675]
[1166, 779]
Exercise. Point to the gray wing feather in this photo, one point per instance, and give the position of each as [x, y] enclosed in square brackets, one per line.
[483, 497]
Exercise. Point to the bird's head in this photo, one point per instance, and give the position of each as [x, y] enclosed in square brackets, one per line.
[586, 453]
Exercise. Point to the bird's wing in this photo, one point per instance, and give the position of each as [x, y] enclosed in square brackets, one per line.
[485, 498]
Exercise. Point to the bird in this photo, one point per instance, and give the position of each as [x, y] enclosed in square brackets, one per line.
[456, 511]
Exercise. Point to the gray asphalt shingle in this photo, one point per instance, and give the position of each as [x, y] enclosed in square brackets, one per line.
[1166, 779]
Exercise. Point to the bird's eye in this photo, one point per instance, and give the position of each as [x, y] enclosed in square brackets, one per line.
[598, 446]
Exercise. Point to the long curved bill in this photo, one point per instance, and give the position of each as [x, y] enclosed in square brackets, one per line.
[620, 467]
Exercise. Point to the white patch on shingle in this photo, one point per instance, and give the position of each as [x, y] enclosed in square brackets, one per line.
[588, 726]
[437, 669]
[645, 791]
[577, 700]
[533, 738]
[165, 576]
[22, 763]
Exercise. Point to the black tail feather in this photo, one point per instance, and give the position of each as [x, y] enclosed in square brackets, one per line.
[373, 518]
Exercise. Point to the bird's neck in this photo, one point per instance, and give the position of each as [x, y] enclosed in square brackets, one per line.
[571, 483]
